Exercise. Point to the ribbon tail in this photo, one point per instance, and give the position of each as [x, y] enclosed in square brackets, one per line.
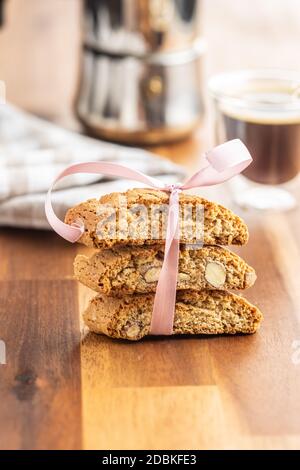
[222, 163]
[73, 232]
[165, 297]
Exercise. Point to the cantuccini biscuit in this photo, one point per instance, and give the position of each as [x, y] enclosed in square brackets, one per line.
[105, 227]
[196, 312]
[126, 270]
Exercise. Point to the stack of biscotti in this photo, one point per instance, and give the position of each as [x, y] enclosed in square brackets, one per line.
[124, 271]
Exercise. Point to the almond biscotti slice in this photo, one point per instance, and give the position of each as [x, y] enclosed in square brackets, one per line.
[127, 270]
[205, 312]
[139, 216]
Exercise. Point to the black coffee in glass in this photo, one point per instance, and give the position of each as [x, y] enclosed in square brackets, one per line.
[264, 112]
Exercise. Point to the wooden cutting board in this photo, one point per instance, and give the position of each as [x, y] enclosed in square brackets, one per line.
[63, 387]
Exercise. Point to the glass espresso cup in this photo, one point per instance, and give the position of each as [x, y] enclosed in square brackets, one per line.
[262, 108]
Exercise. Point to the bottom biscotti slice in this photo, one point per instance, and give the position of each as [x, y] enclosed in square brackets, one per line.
[197, 312]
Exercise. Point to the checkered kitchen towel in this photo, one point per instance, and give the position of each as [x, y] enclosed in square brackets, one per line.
[33, 152]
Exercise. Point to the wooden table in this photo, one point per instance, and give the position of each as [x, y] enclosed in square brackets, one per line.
[63, 387]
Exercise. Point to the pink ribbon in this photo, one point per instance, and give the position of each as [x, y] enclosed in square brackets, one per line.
[221, 164]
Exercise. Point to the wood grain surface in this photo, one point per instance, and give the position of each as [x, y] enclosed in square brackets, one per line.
[40, 387]
[63, 387]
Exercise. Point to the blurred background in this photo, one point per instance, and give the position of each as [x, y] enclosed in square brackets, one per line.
[138, 72]
[40, 45]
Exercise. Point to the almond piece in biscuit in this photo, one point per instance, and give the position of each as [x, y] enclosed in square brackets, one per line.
[215, 274]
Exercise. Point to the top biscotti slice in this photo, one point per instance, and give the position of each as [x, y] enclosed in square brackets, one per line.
[205, 312]
[138, 217]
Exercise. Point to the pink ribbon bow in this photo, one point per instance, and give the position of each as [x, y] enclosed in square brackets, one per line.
[221, 164]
